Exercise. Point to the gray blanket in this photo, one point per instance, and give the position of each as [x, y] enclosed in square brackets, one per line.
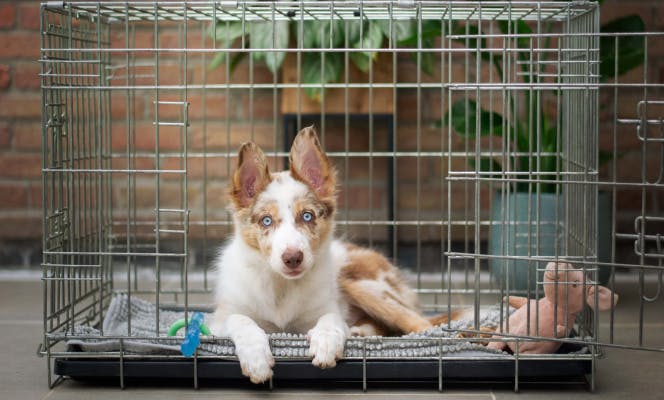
[144, 340]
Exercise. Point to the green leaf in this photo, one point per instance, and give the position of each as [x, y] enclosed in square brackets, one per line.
[220, 58]
[317, 34]
[631, 49]
[463, 118]
[460, 30]
[487, 164]
[217, 60]
[312, 73]
[471, 42]
[372, 37]
[401, 29]
[604, 157]
[521, 139]
[549, 136]
[427, 62]
[431, 29]
[227, 32]
[269, 35]
[519, 27]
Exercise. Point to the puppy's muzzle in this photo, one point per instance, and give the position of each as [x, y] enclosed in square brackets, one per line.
[292, 258]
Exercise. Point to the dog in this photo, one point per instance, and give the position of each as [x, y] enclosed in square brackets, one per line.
[284, 271]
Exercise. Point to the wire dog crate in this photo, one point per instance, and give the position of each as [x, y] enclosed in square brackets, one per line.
[469, 139]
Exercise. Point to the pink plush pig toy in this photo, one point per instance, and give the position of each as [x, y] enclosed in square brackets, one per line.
[565, 299]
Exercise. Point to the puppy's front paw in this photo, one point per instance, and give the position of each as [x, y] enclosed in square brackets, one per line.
[326, 346]
[255, 359]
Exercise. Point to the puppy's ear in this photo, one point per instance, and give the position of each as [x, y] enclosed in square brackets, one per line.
[309, 164]
[251, 175]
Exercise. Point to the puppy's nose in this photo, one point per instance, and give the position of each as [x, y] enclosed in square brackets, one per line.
[292, 258]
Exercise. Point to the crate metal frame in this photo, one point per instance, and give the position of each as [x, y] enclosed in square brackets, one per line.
[94, 246]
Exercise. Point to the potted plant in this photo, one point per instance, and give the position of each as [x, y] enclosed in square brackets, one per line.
[318, 68]
[526, 211]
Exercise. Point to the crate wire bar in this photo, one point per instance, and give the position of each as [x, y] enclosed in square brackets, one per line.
[140, 133]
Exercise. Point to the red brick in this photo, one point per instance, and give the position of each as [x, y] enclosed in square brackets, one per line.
[4, 76]
[626, 137]
[217, 196]
[241, 74]
[615, 9]
[629, 200]
[27, 136]
[144, 196]
[26, 76]
[659, 21]
[407, 169]
[5, 135]
[428, 198]
[35, 192]
[263, 106]
[20, 165]
[23, 227]
[29, 15]
[172, 39]
[119, 105]
[142, 39]
[20, 45]
[169, 137]
[216, 137]
[215, 167]
[14, 196]
[430, 137]
[7, 16]
[169, 195]
[21, 105]
[358, 168]
[140, 163]
[358, 198]
[655, 44]
[170, 66]
[358, 134]
[215, 107]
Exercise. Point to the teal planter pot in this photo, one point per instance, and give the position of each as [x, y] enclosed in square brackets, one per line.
[524, 225]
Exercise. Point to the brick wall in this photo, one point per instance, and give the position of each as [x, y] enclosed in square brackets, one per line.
[20, 135]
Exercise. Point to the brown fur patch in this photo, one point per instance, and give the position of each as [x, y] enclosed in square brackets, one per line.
[310, 165]
[372, 284]
[253, 233]
[321, 227]
[378, 328]
[363, 264]
[484, 333]
[445, 317]
[390, 296]
[392, 314]
[251, 175]
[250, 232]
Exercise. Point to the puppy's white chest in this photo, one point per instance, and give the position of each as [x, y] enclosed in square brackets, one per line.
[288, 311]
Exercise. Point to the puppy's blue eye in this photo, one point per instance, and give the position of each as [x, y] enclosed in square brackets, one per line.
[266, 221]
[307, 216]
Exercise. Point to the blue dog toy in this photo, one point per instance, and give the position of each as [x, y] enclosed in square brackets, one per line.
[191, 337]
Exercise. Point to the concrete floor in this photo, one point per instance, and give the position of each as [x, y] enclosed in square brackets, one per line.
[621, 374]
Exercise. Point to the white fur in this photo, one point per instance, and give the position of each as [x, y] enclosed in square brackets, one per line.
[254, 296]
[285, 190]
